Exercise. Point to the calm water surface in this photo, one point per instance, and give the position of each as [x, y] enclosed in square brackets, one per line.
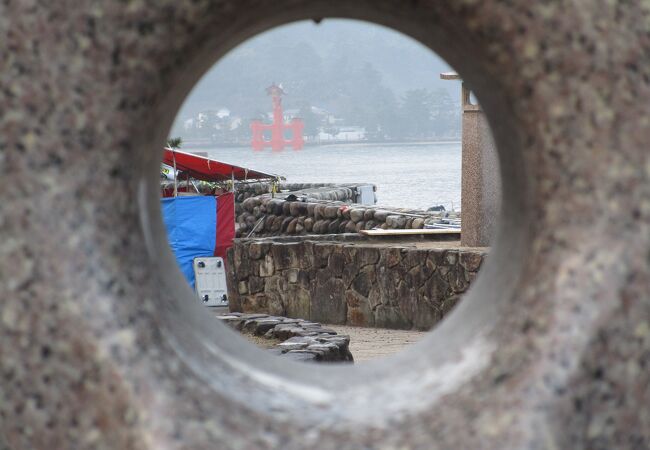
[407, 175]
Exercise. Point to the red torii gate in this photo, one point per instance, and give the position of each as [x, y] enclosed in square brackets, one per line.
[278, 127]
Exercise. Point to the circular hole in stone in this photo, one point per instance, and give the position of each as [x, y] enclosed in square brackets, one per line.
[339, 156]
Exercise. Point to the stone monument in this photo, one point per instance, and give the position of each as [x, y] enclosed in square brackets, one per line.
[103, 346]
[481, 188]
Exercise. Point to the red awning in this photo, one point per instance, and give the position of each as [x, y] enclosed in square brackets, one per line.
[206, 169]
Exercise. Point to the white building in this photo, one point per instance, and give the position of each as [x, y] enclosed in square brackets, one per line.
[342, 134]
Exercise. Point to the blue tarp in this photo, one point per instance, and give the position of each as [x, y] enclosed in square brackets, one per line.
[191, 229]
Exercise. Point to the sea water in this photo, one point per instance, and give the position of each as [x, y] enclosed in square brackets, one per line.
[416, 176]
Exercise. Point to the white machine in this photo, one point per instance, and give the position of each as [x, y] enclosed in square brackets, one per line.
[210, 281]
[366, 195]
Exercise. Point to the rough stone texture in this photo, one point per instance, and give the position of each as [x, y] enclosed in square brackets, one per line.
[481, 189]
[302, 340]
[102, 346]
[319, 212]
[351, 282]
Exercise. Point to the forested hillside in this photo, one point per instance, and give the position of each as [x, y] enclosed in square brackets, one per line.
[366, 75]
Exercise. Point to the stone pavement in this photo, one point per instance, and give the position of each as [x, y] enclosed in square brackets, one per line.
[371, 343]
[299, 340]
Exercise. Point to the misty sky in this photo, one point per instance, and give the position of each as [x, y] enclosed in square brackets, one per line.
[311, 60]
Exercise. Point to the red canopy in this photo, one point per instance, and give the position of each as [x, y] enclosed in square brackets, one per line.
[206, 169]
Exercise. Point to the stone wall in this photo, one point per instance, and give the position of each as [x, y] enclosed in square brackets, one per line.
[246, 190]
[299, 339]
[353, 281]
[327, 210]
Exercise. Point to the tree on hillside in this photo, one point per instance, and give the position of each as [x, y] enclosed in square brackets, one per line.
[446, 114]
[417, 114]
[310, 119]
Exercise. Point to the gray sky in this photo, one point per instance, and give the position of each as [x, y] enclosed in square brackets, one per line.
[312, 61]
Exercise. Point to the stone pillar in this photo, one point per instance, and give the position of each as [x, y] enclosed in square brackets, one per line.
[481, 184]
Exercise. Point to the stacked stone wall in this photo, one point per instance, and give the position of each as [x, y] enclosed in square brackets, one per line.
[351, 282]
[301, 340]
[323, 210]
[246, 190]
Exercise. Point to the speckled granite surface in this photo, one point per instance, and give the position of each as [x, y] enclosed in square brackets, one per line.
[551, 349]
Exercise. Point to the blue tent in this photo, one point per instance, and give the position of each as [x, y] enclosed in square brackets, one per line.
[191, 228]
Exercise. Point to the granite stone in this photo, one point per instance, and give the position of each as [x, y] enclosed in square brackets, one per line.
[104, 347]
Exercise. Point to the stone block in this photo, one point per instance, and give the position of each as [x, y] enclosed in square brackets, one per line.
[278, 207]
[381, 215]
[333, 226]
[417, 223]
[258, 303]
[275, 304]
[336, 263]
[298, 209]
[364, 280]
[356, 214]
[390, 317]
[391, 256]
[471, 260]
[257, 250]
[267, 267]
[285, 224]
[276, 223]
[304, 279]
[319, 212]
[249, 219]
[331, 212]
[396, 222]
[328, 302]
[457, 279]
[297, 302]
[291, 228]
[277, 284]
[248, 204]
[429, 267]
[413, 257]
[292, 275]
[359, 312]
[364, 256]
[451, 257]
[255, 284]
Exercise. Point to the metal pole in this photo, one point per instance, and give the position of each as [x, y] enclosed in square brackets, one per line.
[234, 216]
[175, 173]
